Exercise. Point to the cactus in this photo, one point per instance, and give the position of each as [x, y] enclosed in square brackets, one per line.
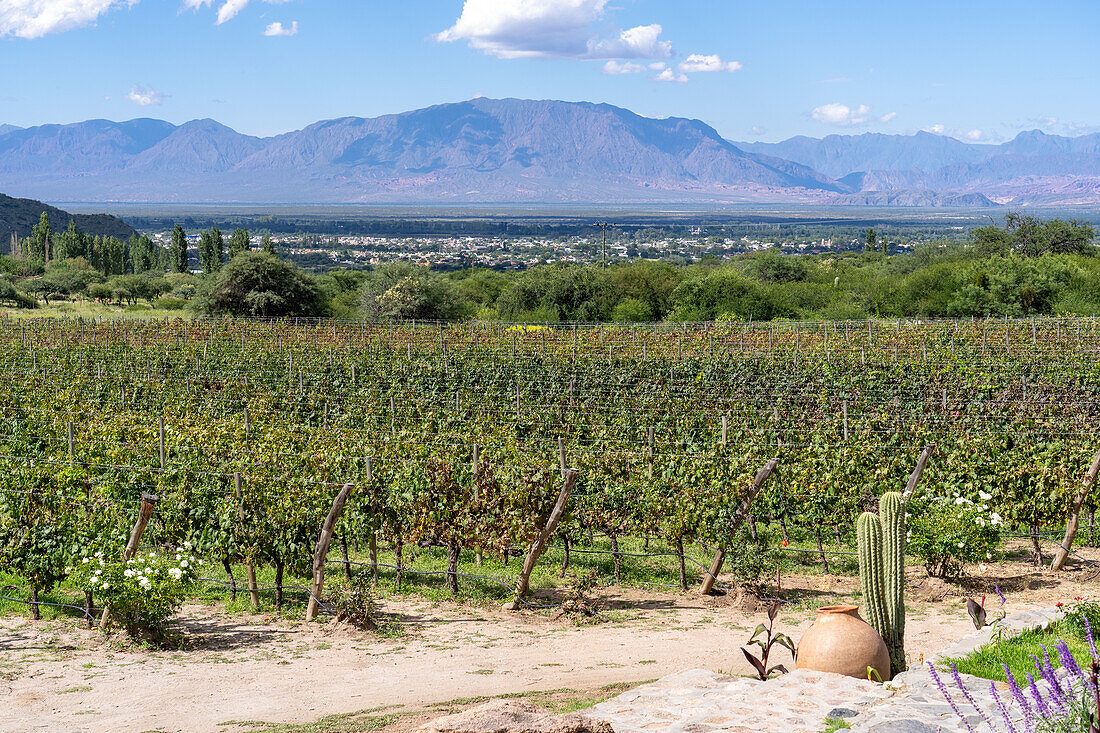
[882, 573]
[869, 540]
[892, 515]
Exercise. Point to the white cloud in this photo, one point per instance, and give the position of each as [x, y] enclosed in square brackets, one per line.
[228, 9]
[673, 76]
[713, 62]
[936, 129]
[658, 65]
[888, 116]
[757, 130]
[973, 135]
[615, 68]
[841, 115]
[36, 18]
[640, 42]
[548, 29]
[278, 29]
[145, 96]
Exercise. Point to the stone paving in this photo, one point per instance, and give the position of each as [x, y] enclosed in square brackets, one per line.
[698, 701]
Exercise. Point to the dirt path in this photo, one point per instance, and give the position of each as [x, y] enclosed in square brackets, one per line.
[56, 676]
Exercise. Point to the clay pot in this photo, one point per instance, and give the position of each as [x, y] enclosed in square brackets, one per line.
[840, 641]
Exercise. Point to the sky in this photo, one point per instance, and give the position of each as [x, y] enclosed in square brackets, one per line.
[978, 70]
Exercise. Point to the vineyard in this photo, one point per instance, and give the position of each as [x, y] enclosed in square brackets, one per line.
[254, 443]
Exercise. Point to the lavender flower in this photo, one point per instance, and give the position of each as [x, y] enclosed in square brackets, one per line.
[1057, 694]
[947, 696]
[1018, 695]
[969, 698]
[1040, 704]
[1088, 635]
[1001, 707]
[1067, 661]
[997, 589]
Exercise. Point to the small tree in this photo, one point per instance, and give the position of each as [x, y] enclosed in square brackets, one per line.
[211, 250]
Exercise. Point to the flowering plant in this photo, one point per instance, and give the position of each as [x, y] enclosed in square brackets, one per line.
[947, 532]
[142, 592]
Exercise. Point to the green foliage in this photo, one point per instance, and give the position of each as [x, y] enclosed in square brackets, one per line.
[211, 250]
[259, 284]
[177, 251]
[947, 532]
[142, 592]
[239, 242]
[352, 601]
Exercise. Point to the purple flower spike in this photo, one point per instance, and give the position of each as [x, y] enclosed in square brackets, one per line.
[969, 698]
[1040, 704]
[947, 696]
[1018, 695]
[1001, 707]
[1088, 634]
[1067, 661]
[997, 589]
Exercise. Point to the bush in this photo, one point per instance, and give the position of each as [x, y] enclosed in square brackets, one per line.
[170, 303]
[353, 601]
[143, 592]
[947, 532]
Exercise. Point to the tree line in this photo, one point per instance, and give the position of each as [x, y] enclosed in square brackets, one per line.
[1025, 267]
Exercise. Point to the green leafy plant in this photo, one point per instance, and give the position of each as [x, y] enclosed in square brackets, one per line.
[765, 638]
[142, 592]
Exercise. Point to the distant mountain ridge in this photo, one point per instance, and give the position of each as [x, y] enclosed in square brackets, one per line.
[515, 150]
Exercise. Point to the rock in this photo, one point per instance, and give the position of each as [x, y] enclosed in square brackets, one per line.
[515, 716]
[902, 726]
[841, 713]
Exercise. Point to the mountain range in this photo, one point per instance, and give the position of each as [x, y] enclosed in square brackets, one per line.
[537, 151]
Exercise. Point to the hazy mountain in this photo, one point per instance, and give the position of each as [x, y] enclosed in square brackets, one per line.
[839, 155]
[6, 128]
[513, 150]
[20, 216]
[480, 150]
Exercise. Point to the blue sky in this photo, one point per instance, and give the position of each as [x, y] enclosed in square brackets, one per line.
[977, 70]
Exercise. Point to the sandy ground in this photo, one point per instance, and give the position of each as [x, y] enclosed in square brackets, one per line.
[57, 676]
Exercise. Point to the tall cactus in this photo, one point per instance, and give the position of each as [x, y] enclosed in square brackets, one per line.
[869, 540]
[882, 573]
[891, 511]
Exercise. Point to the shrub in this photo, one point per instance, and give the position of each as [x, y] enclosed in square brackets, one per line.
[947, 532]
[170, 303]
[353, 601]
[143, 592]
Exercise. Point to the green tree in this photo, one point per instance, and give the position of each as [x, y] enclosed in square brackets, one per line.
[259, 284]
[870, 242]
[211, 250]
[267, 245]
[239, 242]
[71, 243]
[177, 252]
[40, 238]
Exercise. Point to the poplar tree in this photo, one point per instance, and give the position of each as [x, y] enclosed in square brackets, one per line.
[239, 242]
[177, 251]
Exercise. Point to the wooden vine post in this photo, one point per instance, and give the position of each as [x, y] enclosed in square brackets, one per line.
[735, 522]
[539, 545]
[144, 513]
[914, 477]
[322, 550]
[1062, 554]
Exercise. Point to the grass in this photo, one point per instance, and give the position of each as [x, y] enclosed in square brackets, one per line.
[834, 724]
[1017, 651]
[91, 309]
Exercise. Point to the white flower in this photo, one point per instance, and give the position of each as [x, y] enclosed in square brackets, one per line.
[988, 556]
[183, 563]
[99, 554]
[175, 573]
[128, 572]
[105, 585]
[187, 544]
[85, 560]
[979, 521]
[984, 496]
[961, 545]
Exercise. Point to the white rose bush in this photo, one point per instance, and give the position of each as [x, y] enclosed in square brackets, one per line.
[142, 592]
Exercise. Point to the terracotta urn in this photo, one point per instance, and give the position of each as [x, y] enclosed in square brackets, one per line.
[840, 641]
